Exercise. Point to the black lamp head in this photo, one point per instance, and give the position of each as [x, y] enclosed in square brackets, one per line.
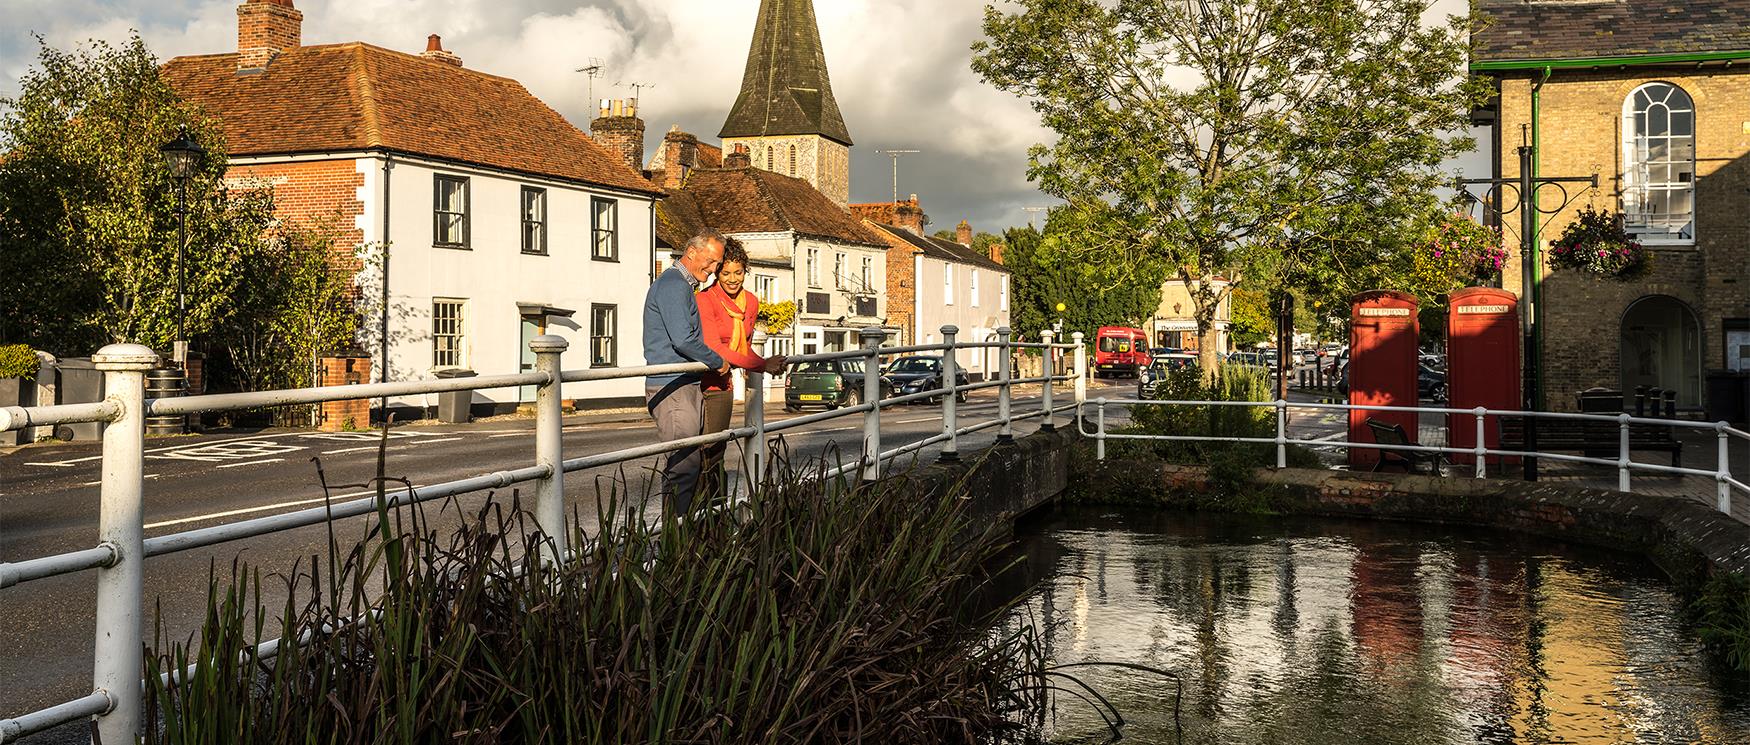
[183, 155]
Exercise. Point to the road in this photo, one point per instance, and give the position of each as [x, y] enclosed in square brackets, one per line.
[49, 504]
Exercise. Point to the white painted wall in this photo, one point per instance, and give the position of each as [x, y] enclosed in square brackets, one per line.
[493, 275]
[976, 322]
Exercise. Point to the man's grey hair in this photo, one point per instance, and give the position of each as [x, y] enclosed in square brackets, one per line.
[703, 237]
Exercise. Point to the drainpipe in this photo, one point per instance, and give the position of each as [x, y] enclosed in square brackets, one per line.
[383, 321]
[1536, 289]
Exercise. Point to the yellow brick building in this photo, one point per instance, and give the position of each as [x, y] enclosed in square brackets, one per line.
[1653, 96]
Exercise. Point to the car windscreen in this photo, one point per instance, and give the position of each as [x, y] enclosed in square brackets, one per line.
[915, 365]
[817, 367]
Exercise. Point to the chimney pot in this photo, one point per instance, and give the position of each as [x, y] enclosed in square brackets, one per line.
[434, 43]
[621, 131]
[739, 158]
[434, 51]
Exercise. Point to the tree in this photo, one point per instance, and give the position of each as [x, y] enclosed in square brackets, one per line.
[293, 307]
[1047, 270]
[88, 225]
[1245, 138]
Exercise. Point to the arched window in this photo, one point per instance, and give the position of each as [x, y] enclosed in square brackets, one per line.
[1661, 348]
[792, 160]
[771, 163]
[1658, 156]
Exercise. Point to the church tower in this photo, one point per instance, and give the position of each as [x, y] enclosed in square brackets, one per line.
[786, 115]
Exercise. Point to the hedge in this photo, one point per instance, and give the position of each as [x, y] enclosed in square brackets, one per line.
[17, 361]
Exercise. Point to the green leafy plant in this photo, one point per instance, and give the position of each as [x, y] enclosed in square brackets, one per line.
[775, 318]
[820, 611]
[1723, 617]
[17, 361]
[1597, 242]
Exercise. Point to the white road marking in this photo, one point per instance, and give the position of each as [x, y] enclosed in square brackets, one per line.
[62, 464]
[508, 434]
[234, 450]
[252, 463]
[264, 508]
[447, 439]
[350, 450]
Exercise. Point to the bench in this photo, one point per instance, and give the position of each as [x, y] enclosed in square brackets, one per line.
[1593, 439]
[1392, 434]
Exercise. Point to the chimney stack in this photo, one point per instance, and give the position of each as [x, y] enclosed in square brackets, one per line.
[434, 51]
[619, 129]
[680, 155]
[996, 252]
[963, 234]
[739, 158]
[910, 216]
[264, 29]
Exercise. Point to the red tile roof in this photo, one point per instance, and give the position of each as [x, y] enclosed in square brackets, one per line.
[749, 200]
[355, 96]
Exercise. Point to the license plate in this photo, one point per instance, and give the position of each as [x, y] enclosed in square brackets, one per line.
[810, 397]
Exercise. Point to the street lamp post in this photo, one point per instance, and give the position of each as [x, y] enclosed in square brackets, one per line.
[183, 157]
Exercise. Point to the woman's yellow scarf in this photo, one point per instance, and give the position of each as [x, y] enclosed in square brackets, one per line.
[737, 309]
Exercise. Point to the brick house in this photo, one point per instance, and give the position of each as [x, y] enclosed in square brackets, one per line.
[933, 282]
[501, 219]
[1652, 96]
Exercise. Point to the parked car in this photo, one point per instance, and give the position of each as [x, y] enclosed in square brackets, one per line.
[1430, 384]
[921, 373]
[1158, 371]
[830, 384]
[1253, 359]
[1120, 351]
[1308, 356]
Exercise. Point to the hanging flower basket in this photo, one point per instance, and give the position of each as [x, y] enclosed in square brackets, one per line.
[1458, 252]
[1597, 243]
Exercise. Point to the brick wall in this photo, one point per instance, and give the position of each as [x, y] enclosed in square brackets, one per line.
[1581, 119]
[315, 194]
[342, 415]
[902, 283]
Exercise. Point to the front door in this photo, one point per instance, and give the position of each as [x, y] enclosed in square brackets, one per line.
[532, 326]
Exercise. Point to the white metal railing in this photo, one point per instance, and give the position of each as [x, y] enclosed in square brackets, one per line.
[1486, 419]
[118, 558]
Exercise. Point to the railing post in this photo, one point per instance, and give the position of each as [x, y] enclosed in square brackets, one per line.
[121, 525]
[872, 337]
[1724, 470]
[1006, 432]
[950, 389]
[549, 430]
[1050, 372]
[1100, 430]
[1281, 433]
[1482, 443]
[1622, 455]
[1081, 373]
[756, 417]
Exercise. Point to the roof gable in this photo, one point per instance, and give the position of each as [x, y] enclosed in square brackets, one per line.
[356, 96]
[749, 200]
[1584, 29]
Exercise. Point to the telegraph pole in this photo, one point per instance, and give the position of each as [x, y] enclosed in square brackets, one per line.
[1530, 296]
[896, 155]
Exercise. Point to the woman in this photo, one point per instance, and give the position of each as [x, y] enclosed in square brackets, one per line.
[727, 313]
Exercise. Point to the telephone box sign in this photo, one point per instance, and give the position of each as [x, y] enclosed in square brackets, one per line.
[1382, 368]
[1482, 365]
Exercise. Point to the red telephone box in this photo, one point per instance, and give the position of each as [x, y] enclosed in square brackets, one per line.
[1482, 364]
[1382, 366]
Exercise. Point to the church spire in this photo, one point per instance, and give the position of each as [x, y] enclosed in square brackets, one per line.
[785, 89]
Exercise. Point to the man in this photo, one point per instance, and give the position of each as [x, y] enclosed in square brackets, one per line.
[672, 335]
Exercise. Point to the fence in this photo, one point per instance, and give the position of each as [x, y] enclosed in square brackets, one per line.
[1486, 420]
[118, 558]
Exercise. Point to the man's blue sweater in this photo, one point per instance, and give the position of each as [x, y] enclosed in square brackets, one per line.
[671, 327]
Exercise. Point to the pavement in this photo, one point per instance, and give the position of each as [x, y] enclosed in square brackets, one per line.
[49, 504]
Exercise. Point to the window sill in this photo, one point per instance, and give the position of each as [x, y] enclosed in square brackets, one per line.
[1668, 243]
[600, 365]
[452, 246]
[527, 252]
[609, 259]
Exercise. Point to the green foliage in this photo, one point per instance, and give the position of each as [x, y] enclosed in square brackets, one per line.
[1597, 242]
[88, 219]
[1230, 383]
[812, 614]
[1723, 616]
[1252, 318]
[1048, 270]
[289, 310]
[17, 361]
[1251, 139]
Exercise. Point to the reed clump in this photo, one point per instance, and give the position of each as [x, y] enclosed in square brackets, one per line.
[815, 612]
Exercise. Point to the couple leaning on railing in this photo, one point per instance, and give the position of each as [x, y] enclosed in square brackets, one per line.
[714, 328]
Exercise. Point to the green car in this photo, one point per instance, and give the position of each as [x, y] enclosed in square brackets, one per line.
[829, 385]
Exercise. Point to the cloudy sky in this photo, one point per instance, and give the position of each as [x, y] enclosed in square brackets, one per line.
[900, 70]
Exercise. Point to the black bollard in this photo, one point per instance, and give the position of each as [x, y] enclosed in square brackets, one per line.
[1640, 400]
[1670, 404]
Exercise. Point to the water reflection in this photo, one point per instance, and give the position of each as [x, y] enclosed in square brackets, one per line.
[1327, 631]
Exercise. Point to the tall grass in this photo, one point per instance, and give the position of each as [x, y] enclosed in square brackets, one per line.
[814, 613]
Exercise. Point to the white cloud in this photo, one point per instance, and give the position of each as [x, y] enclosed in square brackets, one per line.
[900, 70]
